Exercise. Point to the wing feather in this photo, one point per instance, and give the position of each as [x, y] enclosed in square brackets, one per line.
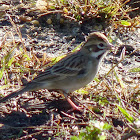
[66, 67]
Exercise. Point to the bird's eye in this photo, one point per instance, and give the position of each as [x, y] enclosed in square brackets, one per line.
[101, 46]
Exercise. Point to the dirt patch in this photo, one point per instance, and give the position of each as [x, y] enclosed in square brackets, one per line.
[43, 114]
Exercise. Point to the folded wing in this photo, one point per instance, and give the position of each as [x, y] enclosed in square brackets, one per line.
[71, 65]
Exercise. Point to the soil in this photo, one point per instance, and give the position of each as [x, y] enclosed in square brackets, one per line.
[45, 115]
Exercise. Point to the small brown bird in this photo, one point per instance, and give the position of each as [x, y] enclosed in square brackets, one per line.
[73, 71]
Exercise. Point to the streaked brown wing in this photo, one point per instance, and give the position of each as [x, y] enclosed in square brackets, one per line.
[71, 65]
[46, 76]
[68, 66]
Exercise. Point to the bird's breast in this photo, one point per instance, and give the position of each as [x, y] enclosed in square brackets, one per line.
[84, 77]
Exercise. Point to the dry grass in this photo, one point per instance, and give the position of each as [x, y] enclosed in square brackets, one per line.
[107, 101]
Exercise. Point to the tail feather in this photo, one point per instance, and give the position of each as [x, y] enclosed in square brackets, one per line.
[14, 94]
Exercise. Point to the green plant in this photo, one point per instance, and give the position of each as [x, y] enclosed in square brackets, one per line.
[93, 132]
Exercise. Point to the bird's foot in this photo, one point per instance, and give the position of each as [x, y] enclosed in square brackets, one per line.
[74, 106]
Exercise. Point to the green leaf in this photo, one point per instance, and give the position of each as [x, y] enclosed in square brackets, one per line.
[21, 49]
[56, 59]
[3, 68]
[77, 48]
[75, 138]
[107, 9]
[52, 7]
[96, 79]
[1, 73]
[125, 23]
[128, 117]
[3, 87]
[135, 70]
[10, 61]
[106, 126]
[26, 56]
[102, 137]
[119, 79]
[82, 91]
[17, 64]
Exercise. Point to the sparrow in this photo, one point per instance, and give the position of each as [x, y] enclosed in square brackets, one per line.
[73, 71]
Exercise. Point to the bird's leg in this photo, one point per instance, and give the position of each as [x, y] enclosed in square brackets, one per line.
[74, 106]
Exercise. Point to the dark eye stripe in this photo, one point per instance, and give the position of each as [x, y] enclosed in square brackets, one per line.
[97, 49]
[100, 56]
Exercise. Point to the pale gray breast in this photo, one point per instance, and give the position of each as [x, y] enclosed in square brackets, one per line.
[84, 77]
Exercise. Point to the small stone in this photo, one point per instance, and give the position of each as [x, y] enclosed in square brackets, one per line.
[4, 7]
[61, 20]
[98, 27]
[25, 19]
[35, 22]
[120, 65]
[49, 21]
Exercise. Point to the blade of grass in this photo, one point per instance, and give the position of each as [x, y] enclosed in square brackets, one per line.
[135, 69]
[119, 79]
[127, 116]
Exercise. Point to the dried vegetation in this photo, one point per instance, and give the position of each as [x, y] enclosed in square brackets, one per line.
[111, 102]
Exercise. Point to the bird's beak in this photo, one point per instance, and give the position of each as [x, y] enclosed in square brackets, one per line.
[110, 46]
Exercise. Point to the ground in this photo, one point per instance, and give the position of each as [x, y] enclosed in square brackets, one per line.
[31, 40]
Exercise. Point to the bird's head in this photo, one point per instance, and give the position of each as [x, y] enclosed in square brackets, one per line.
[96, 45]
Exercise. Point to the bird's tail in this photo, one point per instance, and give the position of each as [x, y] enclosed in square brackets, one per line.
[4, 99]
